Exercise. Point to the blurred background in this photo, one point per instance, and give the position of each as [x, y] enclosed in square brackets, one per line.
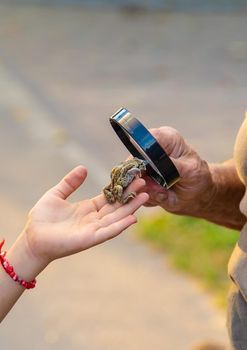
[65, 67]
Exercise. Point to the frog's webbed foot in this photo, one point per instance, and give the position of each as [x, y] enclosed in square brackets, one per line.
[118, 193]
[127, 198]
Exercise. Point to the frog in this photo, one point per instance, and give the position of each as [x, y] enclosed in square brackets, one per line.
[121, 176]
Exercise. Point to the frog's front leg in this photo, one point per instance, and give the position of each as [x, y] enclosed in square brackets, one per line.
[109, 194]
[130, 196]
[119, 194]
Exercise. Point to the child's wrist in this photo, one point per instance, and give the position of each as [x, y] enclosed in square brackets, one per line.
[25, 264]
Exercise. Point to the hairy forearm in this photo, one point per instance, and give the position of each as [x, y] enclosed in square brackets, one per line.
[228, 190]
[209, 191]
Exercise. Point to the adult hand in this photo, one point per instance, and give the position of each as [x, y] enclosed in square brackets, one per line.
[195, 190]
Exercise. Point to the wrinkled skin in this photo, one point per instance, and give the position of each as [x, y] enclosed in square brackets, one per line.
[195, 190]
[121, 176]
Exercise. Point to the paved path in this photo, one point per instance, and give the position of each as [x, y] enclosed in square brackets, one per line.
[62, 73]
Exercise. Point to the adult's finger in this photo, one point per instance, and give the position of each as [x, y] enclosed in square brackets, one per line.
[170, 140]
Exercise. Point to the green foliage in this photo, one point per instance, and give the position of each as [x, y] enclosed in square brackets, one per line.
[194, 246]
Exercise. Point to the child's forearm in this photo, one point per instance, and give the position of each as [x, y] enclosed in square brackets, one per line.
[25, 266]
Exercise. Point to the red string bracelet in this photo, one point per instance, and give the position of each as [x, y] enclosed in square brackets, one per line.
[10, 270]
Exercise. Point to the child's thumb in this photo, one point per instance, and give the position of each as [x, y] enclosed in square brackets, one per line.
[71, 182]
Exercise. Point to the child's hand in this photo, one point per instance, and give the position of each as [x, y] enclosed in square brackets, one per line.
[57, 228]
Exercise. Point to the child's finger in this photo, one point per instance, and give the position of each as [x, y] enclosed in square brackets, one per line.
[125, 210]
[70, 182]
[102, 204]
[106, 233]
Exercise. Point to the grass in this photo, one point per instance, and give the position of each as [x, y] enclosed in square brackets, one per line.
[194, 246]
